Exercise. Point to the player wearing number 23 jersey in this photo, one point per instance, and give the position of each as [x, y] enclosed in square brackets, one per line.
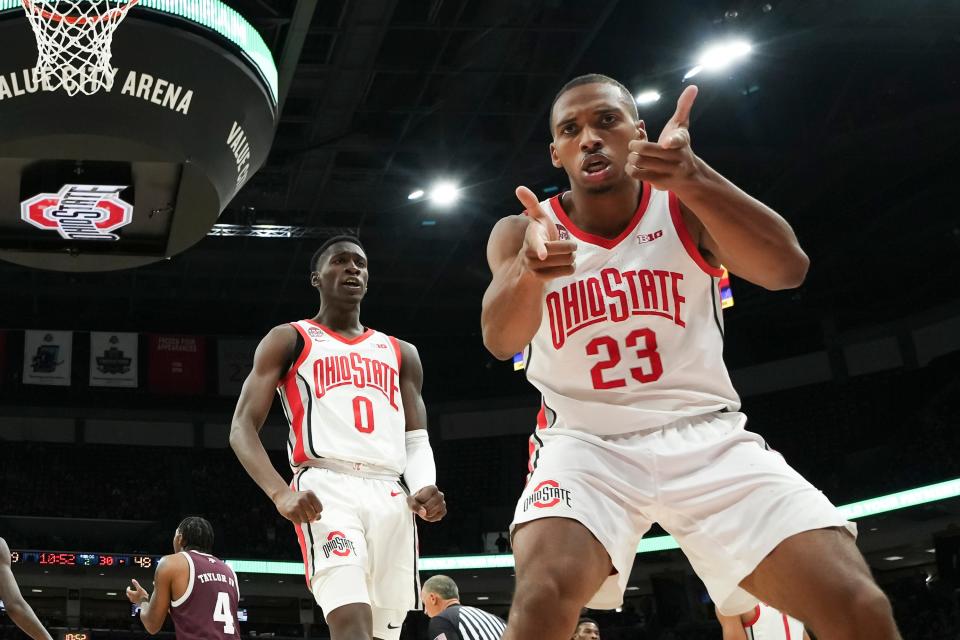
[200, 590]
[611, 291]
[357, 427]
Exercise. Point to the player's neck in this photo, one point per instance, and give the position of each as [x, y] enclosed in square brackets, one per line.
[603, 214]
[342, 318]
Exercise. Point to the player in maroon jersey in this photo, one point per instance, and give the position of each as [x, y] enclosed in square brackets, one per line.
[611, 290]
[17, 608]
[200, 591]
[352, 397]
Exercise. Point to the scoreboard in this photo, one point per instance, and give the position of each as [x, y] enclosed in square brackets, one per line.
[83, 559]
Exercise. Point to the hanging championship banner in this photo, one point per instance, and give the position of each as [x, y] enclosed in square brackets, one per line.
[178, 364]
[47, 357]
[113, 359]
[235, 360]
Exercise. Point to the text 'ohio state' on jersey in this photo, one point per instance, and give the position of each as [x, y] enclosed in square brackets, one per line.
[633, 339]
[342, 399]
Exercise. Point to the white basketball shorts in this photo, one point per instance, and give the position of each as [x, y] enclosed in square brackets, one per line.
[725, 497]
[365, 523]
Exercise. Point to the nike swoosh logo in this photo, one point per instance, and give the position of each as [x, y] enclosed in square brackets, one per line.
[390, 626]
[394, 494]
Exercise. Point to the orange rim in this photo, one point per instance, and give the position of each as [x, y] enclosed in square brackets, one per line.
[112, 14]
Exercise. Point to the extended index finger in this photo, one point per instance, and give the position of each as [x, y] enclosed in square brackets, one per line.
[530, 202]
[684, 105]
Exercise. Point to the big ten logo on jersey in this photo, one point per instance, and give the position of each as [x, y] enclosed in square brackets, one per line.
[614, 296]
[315, 333]
[216, 576]
[330, 372]
[338, 544]
[547, 494]
[644, 238]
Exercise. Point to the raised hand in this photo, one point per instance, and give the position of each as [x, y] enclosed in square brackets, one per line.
[135, 593]
[544, 254]
[669, 163]
[299, 507]
[428, 503]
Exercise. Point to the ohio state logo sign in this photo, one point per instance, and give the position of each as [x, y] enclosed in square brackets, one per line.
[79, 211]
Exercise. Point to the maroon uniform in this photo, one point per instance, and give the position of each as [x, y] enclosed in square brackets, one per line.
[207, 610]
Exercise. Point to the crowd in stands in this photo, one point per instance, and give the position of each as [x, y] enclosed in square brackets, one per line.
[838, 434]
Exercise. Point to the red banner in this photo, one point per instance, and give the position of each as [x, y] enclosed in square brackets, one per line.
[178, 364]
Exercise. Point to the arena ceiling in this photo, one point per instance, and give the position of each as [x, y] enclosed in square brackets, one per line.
[844, 119]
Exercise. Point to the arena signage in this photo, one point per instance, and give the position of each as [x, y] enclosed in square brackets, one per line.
[79, 211]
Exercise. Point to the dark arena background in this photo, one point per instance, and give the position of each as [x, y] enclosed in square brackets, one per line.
[411, 122]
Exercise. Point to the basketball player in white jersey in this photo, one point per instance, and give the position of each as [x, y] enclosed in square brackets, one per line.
[352, 397]
[763, 622]
[611, 291]
[200, 591]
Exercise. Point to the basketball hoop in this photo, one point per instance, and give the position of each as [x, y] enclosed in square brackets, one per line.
[73, 42]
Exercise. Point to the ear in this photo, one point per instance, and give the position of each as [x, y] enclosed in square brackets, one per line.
[315, 279]
[554, 156]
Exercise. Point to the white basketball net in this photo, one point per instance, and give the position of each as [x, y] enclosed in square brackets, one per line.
[73, 39]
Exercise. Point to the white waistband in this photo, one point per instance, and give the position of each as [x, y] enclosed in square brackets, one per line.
[360, 469]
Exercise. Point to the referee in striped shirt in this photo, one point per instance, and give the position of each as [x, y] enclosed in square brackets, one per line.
[449, 620]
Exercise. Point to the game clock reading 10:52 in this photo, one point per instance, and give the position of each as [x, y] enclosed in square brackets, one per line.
[74, 635]
[83, 559]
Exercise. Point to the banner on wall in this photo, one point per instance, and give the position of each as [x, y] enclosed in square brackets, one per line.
[234, 362]
[177, 364]
[47, 357]
[113, 359]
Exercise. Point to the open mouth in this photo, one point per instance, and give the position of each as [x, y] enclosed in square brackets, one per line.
[353, 283]
[595, 164]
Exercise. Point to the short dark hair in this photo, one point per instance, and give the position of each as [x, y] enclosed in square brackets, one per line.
[594, 78]
[196, 533]
[329, 243]
[583, 621]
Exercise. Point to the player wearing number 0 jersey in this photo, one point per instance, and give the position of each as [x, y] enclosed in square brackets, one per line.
[611, 291]
[357, 426]
[200, 591]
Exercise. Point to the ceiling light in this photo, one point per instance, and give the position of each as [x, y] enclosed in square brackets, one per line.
[633, 588]
[648, 97]
[483, 597]
[720, 56]
[415, 195]
[893, 558]
[37, 590]
[111, 593]
[444, 193]
[619, 609]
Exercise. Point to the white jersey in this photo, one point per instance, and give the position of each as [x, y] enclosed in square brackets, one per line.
[634, 338]
[342, 399]
[770, 624]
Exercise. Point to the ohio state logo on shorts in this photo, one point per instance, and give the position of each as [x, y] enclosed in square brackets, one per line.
[79, 211]
[547, 494]
[338, 545]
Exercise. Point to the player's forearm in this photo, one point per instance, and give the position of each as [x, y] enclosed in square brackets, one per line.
[766, 248]
[23, 616]
[246, 444]
[512, 310]
[149, 622]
